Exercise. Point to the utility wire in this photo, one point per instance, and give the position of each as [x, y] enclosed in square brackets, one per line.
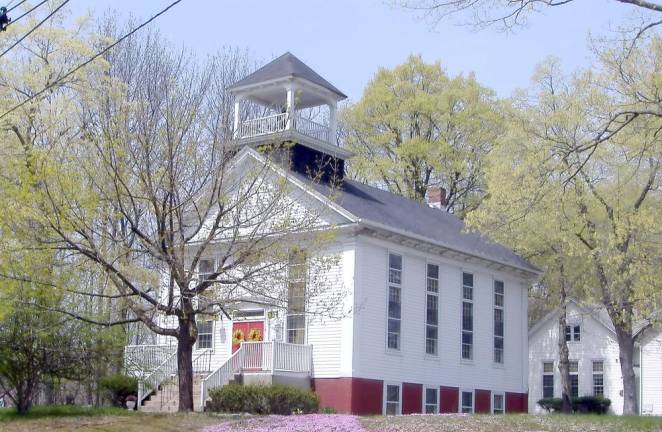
[35, 27]
[9, 8]
[24, 14]
[90, 60]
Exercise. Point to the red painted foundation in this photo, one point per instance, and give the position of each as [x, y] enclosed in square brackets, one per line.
[450, 397]
[412, 398]
[482, 402]
[364, 396]
[359, 396]
[517, 402]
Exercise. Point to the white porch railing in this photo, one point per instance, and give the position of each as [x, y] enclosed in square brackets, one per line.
[278, 123]
[254, 357]
[144, 359]
[150, 383]
[263, 125]
[311, 129]
[222, 375]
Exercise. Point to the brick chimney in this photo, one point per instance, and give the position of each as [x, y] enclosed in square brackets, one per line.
[436, 197]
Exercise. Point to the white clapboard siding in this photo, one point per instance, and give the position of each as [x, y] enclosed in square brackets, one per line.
[329, 331]
[651, 372]
[411, 364]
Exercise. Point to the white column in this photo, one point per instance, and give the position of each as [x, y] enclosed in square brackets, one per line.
[333, 123]
[237, 116]
[290, 107]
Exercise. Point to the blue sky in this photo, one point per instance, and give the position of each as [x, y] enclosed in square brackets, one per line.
[347, 41]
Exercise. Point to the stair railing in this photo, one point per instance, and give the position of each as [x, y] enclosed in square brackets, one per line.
[222, 375]
[150, 383]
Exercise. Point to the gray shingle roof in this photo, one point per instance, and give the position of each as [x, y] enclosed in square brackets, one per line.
[287, 65]
[385, 208]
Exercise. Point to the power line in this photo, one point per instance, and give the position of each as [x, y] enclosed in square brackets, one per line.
[12, 8]
[35, 27]
[25, 13]
[90, 60]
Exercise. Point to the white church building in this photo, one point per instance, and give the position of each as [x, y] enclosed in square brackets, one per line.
[438, 320]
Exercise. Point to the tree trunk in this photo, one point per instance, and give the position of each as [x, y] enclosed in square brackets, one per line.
[626, 358]
[185, 344]
[564, 363]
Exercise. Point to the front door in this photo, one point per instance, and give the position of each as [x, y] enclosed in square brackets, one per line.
[246, 331]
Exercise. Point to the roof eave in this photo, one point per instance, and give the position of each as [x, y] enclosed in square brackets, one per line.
[239, 88]
[528, 273]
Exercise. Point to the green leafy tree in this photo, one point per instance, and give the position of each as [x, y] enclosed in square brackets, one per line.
[415, 127]
[576, 180]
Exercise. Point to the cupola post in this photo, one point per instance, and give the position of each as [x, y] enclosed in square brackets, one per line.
[291, 106]
[333, 123]
[237, 116]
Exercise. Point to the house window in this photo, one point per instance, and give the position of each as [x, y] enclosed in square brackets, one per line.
[598, 378]
[498, 406]
[205, 334]
[467, 315]
[392, 400]
[573, 333]
[467, 402]
[574, 379]
[205, 269]
[296, 297]
[432, 310]
[498, 321]
[394, 301]
[431, 400]
[548, 379]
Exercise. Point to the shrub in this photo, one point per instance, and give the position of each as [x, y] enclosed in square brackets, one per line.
[261, 399]
[550, 404]
[584, 404]
[118, 388]
[591, 404]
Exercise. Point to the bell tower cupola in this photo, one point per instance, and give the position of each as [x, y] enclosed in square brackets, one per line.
[293, 105]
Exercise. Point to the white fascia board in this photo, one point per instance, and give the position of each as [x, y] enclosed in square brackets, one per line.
[533, 274]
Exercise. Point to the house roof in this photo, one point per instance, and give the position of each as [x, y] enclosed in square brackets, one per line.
[599, 313]
[391, 211]
[286, 66]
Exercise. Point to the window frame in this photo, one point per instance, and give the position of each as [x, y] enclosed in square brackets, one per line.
[470, 302]
[573, 374]
[425, 401]
[289, 312]
[461, 405]
[601, 373]
[388, 384]
[435, 294]
[210, 333]
[502, 308]
[503, 402]
[395, 286]
[544, 374]
[213, 266]
[573, 333]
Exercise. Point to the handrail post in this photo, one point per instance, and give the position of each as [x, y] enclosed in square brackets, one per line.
[273, 356]
[140, 393]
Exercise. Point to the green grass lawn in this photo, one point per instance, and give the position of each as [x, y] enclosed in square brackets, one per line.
[81, 419]
[515, 423]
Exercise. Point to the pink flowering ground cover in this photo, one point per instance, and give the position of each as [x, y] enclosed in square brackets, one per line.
[295, 423]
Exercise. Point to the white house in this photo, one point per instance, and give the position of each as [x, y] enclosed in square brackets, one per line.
[594, 359]
[437, 317]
